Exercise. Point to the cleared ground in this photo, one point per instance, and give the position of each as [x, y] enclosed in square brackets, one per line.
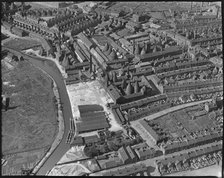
[75, 153]
[30, 123]
[73, 169]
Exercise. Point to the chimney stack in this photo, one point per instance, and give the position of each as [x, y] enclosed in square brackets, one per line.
[217, 12]
[7, 103]
[90, 65]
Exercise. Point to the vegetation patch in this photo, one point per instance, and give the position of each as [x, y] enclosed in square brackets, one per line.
[30, 122]
[22, 44]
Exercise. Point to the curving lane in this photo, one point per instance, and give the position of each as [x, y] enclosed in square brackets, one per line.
[54, 72]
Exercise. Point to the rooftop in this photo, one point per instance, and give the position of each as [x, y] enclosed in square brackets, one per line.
[149, 129]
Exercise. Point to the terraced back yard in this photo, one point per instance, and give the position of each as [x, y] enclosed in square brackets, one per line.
[30, 125]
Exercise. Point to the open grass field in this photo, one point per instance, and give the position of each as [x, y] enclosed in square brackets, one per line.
[22, 44]
[22, 160]
[30, 123]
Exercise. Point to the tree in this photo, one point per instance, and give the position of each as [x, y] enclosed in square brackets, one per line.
[112, 133]
[26, 172]
[15, 58]
[49, 13]
[91, 151]
[112, 146]
[214, 98]
[193, 96]
[212, 115]
[21, 58]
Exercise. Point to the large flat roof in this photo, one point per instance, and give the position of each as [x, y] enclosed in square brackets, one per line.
[89, 108]
[85, 127]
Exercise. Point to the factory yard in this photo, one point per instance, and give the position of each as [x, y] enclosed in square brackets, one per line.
[29, 126]
[90, 93]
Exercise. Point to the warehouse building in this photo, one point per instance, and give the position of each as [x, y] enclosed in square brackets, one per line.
[91, 116]
[89, 140]
[78, 141]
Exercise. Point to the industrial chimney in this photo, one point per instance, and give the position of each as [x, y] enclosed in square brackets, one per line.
[90, 65]
[217, 15]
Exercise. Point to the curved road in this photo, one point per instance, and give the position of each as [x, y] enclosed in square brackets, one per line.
[54, 72]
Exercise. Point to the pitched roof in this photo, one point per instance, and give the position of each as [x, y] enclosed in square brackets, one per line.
[130, 152]
[123, 154]
[110, 164]
[91, 139]
[89, 108]
[149, 129]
